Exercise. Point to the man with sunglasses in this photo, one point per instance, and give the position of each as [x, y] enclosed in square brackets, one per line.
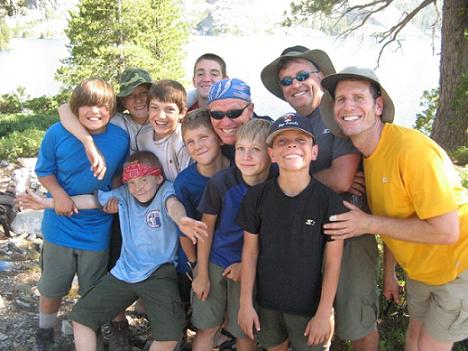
[230, 106]
[295, 77]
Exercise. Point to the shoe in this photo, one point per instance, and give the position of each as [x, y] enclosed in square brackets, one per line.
[119, 338]
[44, 339]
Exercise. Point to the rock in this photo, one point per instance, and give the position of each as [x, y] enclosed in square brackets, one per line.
[3, 337]
[28, 221]
[2, 304]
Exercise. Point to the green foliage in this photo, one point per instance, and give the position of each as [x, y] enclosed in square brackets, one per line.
[19, 101]
[463, 173]
[430, 103]
[16, 122]
[460, 156]
[148, 34]
[4, 34]
[21, 144]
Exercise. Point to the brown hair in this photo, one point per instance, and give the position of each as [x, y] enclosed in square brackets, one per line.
[211, 57]
[195, 119]
[93, 92]
[167, 90]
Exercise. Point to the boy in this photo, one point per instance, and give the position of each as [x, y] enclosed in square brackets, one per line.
[216, 285]
[75, 242]
[284, 247]
[166, 105]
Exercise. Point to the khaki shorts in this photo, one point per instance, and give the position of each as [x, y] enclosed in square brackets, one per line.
[276, 327]
[357, 299]
[224, 297]
[159, 294]
[59, 265]
[442, 309]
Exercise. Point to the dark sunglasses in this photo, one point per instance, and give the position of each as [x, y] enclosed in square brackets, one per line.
[229, 114]
[300, 77]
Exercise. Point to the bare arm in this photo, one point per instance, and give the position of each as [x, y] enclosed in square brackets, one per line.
[194, 229]
[71, 123]
[391, 287]
[34, 201]
[63, 204]
[189, 248]
[340, 175]
[319, 328]
[443, 229]
[248, 318]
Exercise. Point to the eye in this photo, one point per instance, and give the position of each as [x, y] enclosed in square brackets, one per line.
[339, 99]
[240, 148]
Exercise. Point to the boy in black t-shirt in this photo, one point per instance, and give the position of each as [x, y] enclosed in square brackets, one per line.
[284, 247]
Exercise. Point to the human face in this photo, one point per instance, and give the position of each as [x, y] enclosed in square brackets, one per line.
[94, 118]
[304, 96]
[207, 72]
[293, 150]
[252, 160]
[227, 128]
[164, 117]
[136, 103]
[143, 188]
[356, 110]
[203, 145]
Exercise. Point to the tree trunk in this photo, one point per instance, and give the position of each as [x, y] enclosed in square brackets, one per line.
[450, 128]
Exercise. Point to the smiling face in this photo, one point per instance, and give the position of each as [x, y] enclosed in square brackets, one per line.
[303, 96]
[94, 118]
[293, 150]
[356, 110]
[252, 159]
[164, 117]
[206, 73]
[227, 128]
[143, 188]
[136, 103]
[203, 145]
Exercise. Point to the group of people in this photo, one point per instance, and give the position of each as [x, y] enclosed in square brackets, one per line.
[263, 228]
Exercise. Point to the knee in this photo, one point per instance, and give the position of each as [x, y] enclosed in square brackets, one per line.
[163, 345]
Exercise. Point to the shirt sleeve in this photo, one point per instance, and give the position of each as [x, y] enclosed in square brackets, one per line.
[211, 201]
[248, 217]
[104, 196]
[46, 159]
[343, 146]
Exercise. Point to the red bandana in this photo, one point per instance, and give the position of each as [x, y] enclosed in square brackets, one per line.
[135, 170]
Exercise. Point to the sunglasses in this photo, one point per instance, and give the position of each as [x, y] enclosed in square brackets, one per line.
[229, 114]
[300, 77]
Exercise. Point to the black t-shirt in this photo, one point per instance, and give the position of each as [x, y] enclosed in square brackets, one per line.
[291, 243]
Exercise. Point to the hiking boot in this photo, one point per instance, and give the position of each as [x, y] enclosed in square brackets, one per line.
[44, 339]
[119, 338]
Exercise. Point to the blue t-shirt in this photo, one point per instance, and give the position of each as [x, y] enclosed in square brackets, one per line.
[149, 236]
[189, 186]
[63, 155]
[223, 197]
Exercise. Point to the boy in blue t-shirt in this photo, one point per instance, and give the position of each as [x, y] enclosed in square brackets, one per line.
[75, 242]
[216, 285]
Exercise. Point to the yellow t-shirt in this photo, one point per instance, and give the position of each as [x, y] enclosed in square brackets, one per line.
[409, 174]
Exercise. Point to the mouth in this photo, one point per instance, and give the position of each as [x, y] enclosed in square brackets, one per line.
[229, 131]
[293, 157]
[94, 119]
[350, 118]
[161, 123]
[299, 93]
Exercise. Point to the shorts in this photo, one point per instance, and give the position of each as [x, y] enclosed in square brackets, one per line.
[442, 309]
[158, 293]
[59, 264]
[276, 327]
[357, 300]
[224, 297]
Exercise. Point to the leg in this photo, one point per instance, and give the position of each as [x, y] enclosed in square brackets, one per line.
[204, 339]
[427, 342]
[245, 344]
[85, 337]
[412, 335]
[370, 342]
[49, 305]
[281, 347]
[163, 345]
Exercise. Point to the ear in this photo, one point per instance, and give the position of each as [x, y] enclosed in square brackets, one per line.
[315, 150]
[159, 179]
[182, 114]
[379, 106]
[271, 154]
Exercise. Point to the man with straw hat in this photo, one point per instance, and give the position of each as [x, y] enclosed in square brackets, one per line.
[418, 207]
[295, 77]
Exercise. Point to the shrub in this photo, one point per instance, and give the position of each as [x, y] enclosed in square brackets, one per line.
[19, 122]
[460, 156]
[21, 144]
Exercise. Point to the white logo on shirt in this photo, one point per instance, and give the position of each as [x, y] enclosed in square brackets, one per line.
[309, 222]
[153, 219]
[326, 131]
[385, 179]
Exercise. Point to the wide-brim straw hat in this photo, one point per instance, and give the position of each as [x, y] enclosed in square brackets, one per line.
[330, 82]
[319, 58]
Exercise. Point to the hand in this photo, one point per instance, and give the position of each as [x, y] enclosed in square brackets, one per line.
[233, 272]
[248, 321]
[98, 163]
[359, 184]
[30, 201]
[349, 224]
[201, 287]
[391, 288]
[193, 229]
[64, 205]
[111, 206]
[318, 330]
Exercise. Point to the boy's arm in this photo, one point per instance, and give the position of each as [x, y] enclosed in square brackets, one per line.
[194, 229]
[63, 203]
[189, 248]
[248, 318]
[201, 283]
[33, 201]
[319, 329]
[71, 123]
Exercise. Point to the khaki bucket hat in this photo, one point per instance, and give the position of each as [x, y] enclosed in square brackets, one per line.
[131, 78]
[330, 82]
[319, 58]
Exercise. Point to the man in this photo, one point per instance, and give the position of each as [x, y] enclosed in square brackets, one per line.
[208, 69]
[295, 77]
[418, 206]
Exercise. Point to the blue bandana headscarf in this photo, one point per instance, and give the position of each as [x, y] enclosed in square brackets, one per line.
[229, 89]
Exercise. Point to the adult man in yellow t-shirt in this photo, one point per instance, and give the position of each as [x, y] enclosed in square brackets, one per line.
[418, 207]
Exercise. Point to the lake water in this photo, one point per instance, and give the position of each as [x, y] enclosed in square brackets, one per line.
[405, 73]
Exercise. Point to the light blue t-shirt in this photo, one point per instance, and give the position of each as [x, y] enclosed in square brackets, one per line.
[63, 156]
[149, 236]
